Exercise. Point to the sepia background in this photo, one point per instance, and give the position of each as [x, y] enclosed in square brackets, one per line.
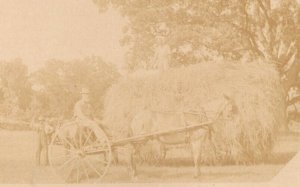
[129, 52]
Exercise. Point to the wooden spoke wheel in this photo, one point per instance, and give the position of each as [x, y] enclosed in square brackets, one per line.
[80, 154]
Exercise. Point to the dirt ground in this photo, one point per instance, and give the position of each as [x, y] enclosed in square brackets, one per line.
[18, 166]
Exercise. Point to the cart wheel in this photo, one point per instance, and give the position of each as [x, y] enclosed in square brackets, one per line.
[80, 154]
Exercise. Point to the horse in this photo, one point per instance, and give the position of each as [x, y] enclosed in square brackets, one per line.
[148, 121]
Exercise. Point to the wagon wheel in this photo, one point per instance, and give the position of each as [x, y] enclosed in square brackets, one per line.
[80, 154]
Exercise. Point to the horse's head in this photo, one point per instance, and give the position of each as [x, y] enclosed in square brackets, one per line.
[51, 125]
[49, 129]
[227, 110]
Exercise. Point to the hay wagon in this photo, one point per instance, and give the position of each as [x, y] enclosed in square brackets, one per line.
[87, 156]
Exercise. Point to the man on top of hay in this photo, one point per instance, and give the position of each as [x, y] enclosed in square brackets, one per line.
[162, 56]
[162, 53]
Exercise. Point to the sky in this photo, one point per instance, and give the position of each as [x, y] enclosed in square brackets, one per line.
[38, 30]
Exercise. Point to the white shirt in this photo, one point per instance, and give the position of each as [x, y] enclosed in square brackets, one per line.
[162, 57]
[83, 110]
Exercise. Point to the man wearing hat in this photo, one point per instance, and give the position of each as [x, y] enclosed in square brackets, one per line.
[43, 130]
[83, 109]
[162, 54]
[83, 112]
[162, 57]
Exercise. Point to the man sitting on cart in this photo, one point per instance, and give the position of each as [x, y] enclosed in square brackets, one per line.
[83, 113]
[83, 109]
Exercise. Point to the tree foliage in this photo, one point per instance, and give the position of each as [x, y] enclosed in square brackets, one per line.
[15, 88]
[198, 31]
[58, 85]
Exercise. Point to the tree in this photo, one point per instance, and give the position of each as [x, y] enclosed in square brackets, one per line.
[198, 31]
[15, 89]
[58, 85]
[273, 32]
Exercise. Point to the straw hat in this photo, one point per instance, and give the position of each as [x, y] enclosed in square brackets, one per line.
[163, 29]
[85, 91]
[41, 118]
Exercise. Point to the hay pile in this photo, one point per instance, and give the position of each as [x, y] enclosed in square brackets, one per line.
[255, 87]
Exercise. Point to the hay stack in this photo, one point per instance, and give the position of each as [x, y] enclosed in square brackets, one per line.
[255, 87]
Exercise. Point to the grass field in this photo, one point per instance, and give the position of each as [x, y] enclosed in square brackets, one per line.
[17, 164]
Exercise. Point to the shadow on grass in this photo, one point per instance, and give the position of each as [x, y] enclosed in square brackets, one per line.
[280, 158]
[274, 159]
[289, 135]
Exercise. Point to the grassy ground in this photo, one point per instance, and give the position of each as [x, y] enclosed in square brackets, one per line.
[17, 156]
[17, 164]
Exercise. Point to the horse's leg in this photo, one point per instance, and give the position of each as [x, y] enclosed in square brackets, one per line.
[131, 165]
[115, 156]
[163, 151]
[196, 146]
[196, 157]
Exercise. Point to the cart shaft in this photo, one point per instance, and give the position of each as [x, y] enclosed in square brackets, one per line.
[157, 134]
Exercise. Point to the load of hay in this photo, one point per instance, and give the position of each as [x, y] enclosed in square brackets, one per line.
[255, 88]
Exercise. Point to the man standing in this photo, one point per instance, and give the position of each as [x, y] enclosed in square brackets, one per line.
[43, 129]
[162, 54]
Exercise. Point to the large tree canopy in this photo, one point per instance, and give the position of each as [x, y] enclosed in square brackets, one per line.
[204, 30]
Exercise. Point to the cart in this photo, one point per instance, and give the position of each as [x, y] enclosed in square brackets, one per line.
[84, 154]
